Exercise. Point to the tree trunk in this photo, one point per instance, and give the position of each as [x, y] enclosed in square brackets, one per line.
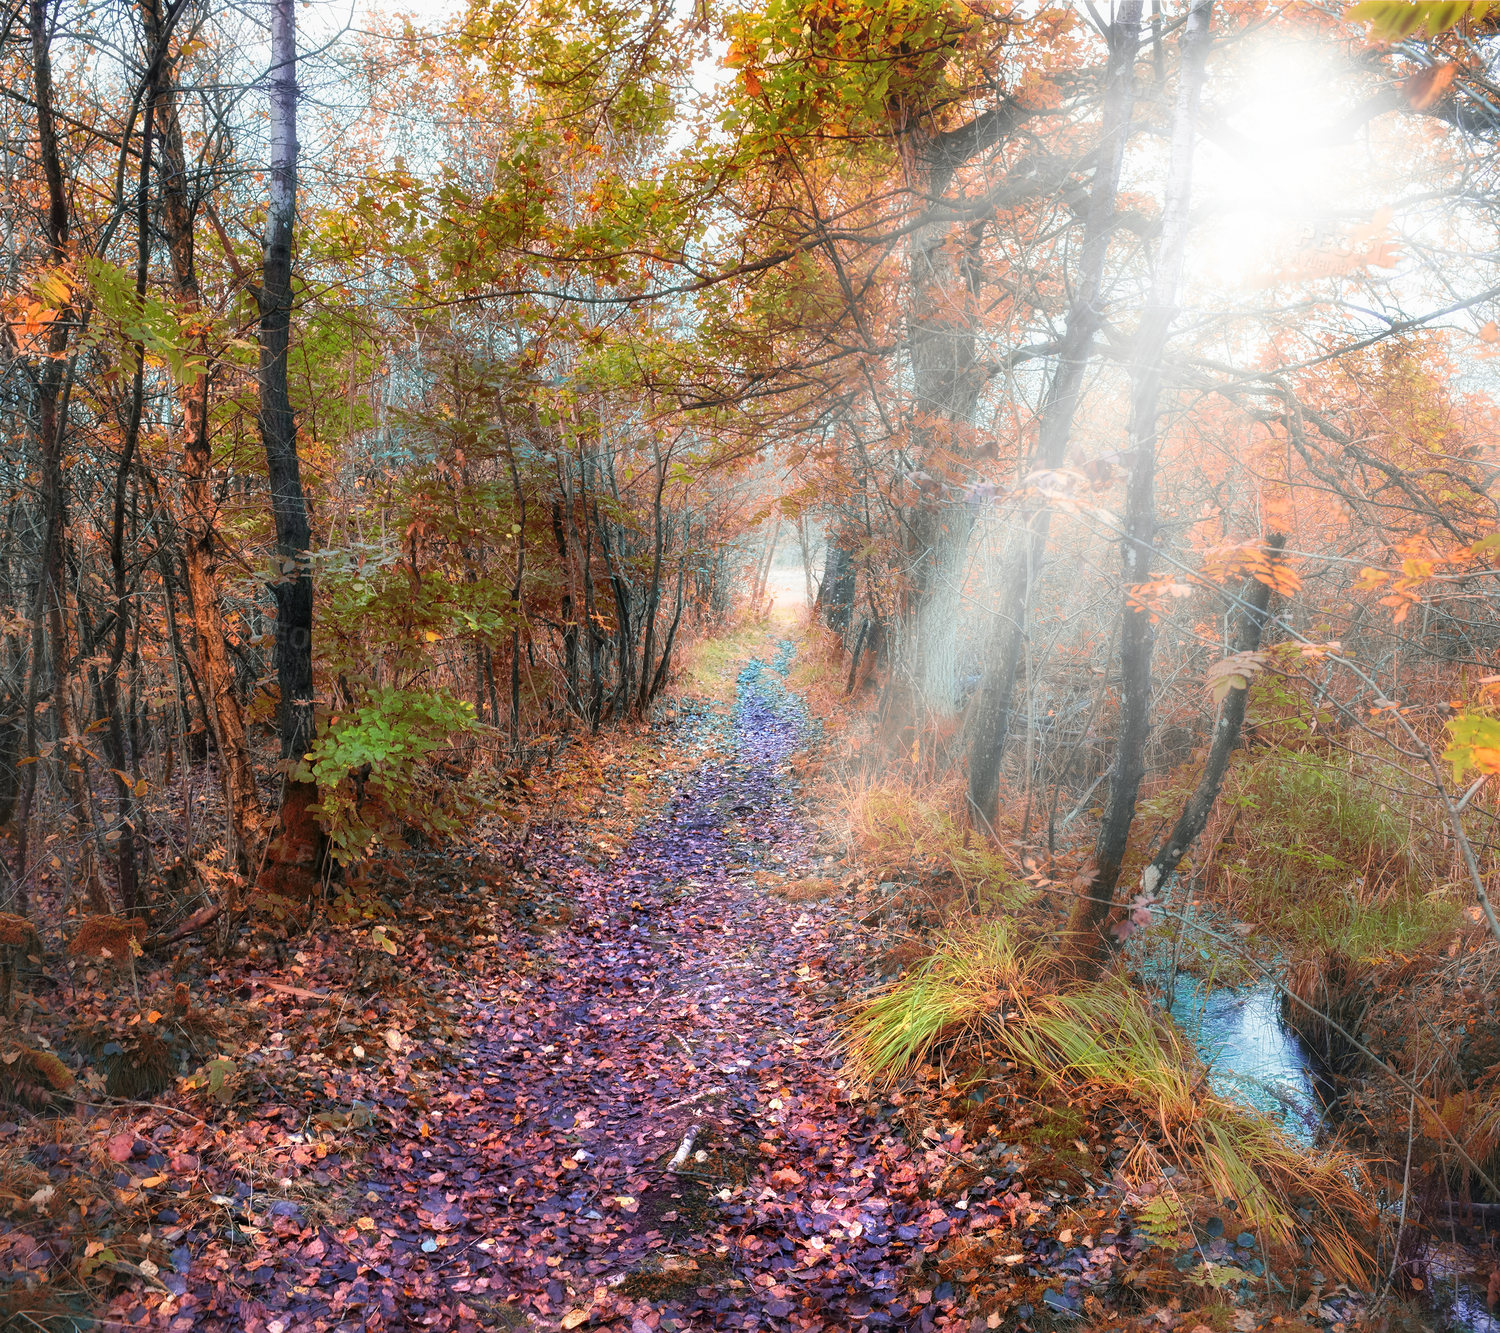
[292, 860]
[763, 564]
[991, 722]
[1255, 600]
[595, 708]
[1138, 635]
[659, 680]
[804, 549]
[126, 870]
[51, 418]
[653, 596]
[1087, 942]
[836, 595]
[517, 607]
[569, 623]
[625, 631]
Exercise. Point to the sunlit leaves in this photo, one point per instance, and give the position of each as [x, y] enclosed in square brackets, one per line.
[150, 321]
[1474, 744]
[1155, 596]
[1250, 560]
[584, 63]
[1397, 20]
[1420, 568]
[31, 314]
[1428, 85]
[369, 764]
[843, 67]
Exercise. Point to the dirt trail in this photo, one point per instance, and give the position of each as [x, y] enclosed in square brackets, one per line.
[683, 996]
[680, 999]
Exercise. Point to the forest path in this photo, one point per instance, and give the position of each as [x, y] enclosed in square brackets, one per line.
[682, 996]
[517, 1172]
[683, 999]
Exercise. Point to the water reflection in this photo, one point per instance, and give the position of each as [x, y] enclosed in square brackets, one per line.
[1251, 1057]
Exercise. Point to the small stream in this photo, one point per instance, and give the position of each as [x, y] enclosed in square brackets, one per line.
[1252, 1057]
[1255, 1060]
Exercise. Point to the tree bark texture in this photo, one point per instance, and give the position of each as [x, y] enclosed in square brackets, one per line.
[294, 855]
[198, 520]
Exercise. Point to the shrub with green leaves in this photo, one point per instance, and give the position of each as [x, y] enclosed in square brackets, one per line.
[374, 771]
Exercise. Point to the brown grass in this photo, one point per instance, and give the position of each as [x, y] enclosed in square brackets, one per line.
[107, 938]
[985, 994]
[805, 890]
[920, 830]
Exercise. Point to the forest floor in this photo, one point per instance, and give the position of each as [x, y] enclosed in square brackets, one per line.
[597, 1086]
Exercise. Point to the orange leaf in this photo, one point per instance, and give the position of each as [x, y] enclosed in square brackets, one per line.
[1424, 88]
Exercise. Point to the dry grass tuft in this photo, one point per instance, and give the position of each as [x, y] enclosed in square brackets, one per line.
[142, 1066]
[983, 993]
[1323, 855]
[819, 674]
[903, 830]
[33, 1078]
[806, 890]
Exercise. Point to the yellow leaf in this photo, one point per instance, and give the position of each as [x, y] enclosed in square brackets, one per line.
[575, 1317]
[365, 1223]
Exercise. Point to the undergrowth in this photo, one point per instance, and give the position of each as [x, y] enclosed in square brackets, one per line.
[985, 993]
[819, 675]
[899, 829]
[1322, 856]
[710, 666]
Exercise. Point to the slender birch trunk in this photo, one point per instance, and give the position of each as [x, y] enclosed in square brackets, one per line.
[293, 859]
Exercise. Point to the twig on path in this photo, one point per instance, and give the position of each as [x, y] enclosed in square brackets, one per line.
[200, 920]
[697, 1096]
[679, 1158]
[297, 992]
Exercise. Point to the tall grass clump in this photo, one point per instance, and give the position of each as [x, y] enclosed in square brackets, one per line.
[984, 994]
[819, 673]
[902, 829]
[959, 994]
[1327, 860]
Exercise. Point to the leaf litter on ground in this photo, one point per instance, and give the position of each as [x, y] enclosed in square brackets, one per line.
[481, 1131]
